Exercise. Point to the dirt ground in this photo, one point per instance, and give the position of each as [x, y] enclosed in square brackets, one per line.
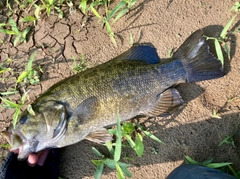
[166, 24]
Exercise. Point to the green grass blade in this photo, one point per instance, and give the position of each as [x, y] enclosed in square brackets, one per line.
[207, 162]
[16, 40]
[139, 147]
[218, 165]
[132, 3]
[119, 172]
[153, 137]
[30, 110]
[5, 70]
[233, 171]
[10, 103]
[8, 93]
[15, 117]
[60, 12]
[227, 26]
[94, 11]
[110, 163]
[110, 147]
[236, 7]
[110, 32]
[97, 153]
[23, 98]
[98, 172]
[130, 141]
[219, 51]
[83, 6]
[8, 32]
[120, 14]
[24, 34]
[191, 161]
[23, 75]
[118, 148]
[13, 25]
[131, 39]
[115, 10]
[227, 50]
[28, 19]
[124, 166]
[37, 11]
[2, 24]
[30, 62]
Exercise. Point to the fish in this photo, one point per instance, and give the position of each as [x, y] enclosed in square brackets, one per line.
[137, 82]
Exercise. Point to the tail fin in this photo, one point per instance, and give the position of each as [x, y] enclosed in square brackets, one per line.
[197, 60]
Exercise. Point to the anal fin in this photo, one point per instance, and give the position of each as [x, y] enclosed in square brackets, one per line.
[168, 101]
[101, 136]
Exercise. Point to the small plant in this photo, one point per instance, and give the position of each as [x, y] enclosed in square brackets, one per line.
[207, 163]
[227, 140]
[126, 131]
[3, 65]
[15, 106]
[80, 66]
[225, 166]
[5, 146]
[223, 38]
[22, 36]
[120, 10]
[116, 153]
[215, 115]
[49, 6]
[30, 74]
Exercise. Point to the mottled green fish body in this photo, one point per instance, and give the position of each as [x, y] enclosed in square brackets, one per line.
[134, 83]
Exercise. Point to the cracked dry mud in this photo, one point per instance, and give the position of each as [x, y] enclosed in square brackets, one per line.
[166, 24]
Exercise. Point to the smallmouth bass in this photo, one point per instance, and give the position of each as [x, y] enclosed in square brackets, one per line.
[135, 83]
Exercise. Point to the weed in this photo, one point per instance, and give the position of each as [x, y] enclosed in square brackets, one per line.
[30, 74]
[224, 166]
[127, 131]
[22, 36]
[223, 38]
[116, 153]
[5, 146]
[228, 140]
[80, 66]
[207, 163]
[215, 115]
[15, 106]
[3, 65]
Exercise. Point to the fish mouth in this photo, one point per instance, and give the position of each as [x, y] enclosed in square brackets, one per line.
[19, 143]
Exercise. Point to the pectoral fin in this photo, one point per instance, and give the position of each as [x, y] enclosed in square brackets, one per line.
[167, 103]
[84, 111]
[101, 136]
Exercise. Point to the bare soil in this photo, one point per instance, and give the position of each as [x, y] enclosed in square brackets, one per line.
[166, 24]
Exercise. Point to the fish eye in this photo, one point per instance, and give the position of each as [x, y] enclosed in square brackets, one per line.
[23, 119]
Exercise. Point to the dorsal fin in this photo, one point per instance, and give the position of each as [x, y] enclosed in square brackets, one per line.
[143, 52]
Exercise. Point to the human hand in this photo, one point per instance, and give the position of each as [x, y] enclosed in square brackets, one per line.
[34, 159]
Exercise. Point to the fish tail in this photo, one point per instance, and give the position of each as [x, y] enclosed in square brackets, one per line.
[197, 60]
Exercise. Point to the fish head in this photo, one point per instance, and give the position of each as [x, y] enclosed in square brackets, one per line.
[43, 128]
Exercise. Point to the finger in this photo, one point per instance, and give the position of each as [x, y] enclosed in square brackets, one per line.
[42, 157]
[16, 151]
[32, 160]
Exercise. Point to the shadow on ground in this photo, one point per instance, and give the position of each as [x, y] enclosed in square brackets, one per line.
[198, 140]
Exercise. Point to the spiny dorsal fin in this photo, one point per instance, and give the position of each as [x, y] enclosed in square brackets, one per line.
[142, 52]
[168, 102]
[101, 136]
